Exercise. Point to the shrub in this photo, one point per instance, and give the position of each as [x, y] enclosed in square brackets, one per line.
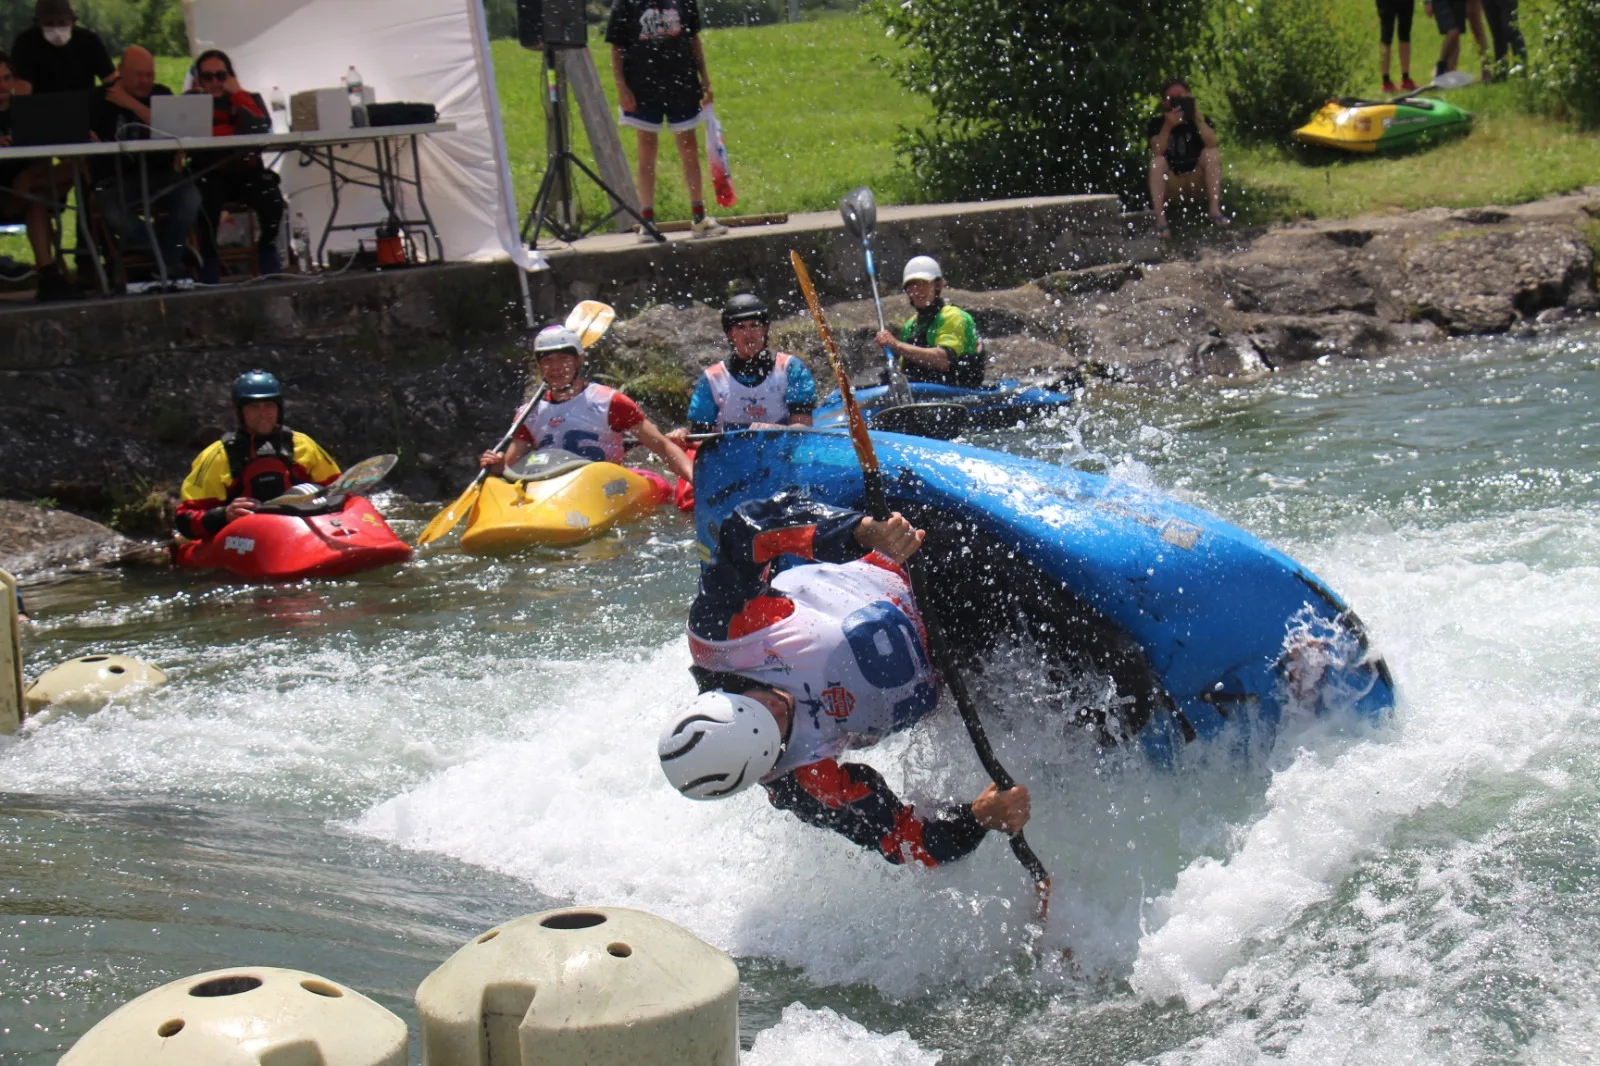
[1277, 61]
[1033, 97]
[1565, 62]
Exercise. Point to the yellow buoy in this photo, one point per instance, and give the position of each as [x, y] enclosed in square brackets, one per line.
[246, 1017]
[582, 985]
[89, 682]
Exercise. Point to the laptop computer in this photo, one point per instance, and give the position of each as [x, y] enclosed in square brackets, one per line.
[50, 118]
[188, 115]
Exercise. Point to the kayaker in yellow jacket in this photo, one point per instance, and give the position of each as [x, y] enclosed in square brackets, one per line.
[261, 459]
[940, 342]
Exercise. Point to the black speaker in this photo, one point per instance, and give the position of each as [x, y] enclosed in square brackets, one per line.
[545, 24]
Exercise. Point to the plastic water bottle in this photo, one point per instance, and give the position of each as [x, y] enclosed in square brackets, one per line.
[300, 243]
[358, 107]
[278, 105]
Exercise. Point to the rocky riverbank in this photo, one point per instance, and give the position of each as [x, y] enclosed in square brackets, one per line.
[114, 437]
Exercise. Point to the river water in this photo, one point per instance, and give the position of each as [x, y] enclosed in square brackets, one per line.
[355, 777]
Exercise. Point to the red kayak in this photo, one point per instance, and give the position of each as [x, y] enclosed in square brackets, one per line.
[288, 547]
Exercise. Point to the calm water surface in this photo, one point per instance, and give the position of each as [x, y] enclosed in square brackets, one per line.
[353, 778]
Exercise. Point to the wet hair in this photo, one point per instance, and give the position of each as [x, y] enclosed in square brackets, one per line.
[1167, 85]
[214, 53]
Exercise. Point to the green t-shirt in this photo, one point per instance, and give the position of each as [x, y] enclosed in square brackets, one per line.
[946, 326]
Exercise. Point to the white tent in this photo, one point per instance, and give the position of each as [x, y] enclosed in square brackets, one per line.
[434, 51]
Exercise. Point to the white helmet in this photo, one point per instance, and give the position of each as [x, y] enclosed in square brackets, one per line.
[921, 268]
[719, 745]
[557, 339]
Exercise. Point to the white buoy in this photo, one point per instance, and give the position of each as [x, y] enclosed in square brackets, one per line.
[582, 987]
[246, 1017]
[10, 657]
[89, 682]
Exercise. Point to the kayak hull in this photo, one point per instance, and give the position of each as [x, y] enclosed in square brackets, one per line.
[1128, 585]
[283, 547]
[1366, 126]
[995, 406]
[561, 511]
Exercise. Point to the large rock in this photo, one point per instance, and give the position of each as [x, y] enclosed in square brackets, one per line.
[34, 538]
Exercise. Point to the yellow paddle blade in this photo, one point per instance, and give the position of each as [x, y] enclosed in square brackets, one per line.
[446, 520]
[590, 320]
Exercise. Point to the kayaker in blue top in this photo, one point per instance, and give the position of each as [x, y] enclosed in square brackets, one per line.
[807, 644]
[754, 387]
[940, 342]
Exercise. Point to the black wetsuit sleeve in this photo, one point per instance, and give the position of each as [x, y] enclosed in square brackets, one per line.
[755, 534]
[851, 799]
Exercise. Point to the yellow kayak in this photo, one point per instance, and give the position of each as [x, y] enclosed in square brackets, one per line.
[565, 503]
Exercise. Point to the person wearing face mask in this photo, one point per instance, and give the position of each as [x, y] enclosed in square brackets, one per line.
[56, 55]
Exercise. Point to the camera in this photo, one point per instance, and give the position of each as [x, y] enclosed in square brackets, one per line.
[1186, 104]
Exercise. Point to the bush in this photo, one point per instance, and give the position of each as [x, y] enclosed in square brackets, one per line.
[1278, 61]
[1031, 97]
[1565, 62]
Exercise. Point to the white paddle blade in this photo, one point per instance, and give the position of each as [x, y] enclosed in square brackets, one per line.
[590, 320]
[1453, 79]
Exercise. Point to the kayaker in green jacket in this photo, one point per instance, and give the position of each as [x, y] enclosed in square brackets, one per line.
[940, 342]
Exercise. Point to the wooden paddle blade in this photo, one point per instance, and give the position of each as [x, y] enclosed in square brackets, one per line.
[590, 320]
[847, 393]
[446, 520]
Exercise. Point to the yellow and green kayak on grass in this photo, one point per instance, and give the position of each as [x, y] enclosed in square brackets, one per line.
[1384, 125]
[554, 499]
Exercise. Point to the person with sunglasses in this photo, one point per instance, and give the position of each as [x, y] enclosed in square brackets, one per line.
[228, 178]
[1184, 161]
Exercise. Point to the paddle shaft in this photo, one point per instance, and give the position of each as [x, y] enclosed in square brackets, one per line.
[878, 507]
[899, 387]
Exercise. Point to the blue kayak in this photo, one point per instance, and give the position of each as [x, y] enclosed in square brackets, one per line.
[1196, 622]
[994, 406]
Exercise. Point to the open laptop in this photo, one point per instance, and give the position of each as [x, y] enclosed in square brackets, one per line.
[188, 115]
[50, 118]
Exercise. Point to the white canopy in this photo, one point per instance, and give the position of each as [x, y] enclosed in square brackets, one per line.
[434, 51]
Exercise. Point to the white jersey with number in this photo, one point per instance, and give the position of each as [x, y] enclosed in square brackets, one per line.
[739, 405]
[581, 425]
[852, 653]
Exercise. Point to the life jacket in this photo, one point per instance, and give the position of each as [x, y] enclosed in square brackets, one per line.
[262, 467]
[581, 425]
[738, 404]
[851, 651]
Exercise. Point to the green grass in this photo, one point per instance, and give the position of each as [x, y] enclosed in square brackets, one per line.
[809, 111]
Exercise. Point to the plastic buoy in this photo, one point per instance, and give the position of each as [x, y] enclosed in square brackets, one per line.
[245, 1017]
[582, 985]
[10, 657]
[88, 682]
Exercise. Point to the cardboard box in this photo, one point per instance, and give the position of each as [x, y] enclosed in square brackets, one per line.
[323, 109]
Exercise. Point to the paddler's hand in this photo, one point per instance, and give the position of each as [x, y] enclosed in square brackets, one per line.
[885, 339]
[240, 507]
[895, 537]
[679, 436]
[1005, 812]
[493, 461]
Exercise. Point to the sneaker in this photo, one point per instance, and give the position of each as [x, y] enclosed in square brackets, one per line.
[707, 227]
[644, 236]
[1407, 84]
[1389, 86]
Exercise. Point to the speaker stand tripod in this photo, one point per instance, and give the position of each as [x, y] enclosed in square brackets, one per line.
[553, 208]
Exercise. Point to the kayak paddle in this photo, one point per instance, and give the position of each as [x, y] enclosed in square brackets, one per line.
[1450, 79]
[353, 482]
[878, 506]
[859, 210]
[589, 320]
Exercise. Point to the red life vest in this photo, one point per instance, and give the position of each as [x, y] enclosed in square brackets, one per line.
[262, 467]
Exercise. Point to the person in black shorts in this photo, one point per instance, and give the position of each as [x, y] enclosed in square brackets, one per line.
[1396, 15]
[661, 76]
[1453, 16]
[1506, 30]
[1183, 155]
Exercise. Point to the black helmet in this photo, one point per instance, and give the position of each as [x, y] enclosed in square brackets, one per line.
[744, 307]
[256, 385]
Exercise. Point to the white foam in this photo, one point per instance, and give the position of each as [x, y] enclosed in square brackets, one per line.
[823, 1036]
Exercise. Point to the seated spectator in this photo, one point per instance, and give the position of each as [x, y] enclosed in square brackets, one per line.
[1183, 155]
[234, 179]
[24, 186]
[56, 54]
[123, 115]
